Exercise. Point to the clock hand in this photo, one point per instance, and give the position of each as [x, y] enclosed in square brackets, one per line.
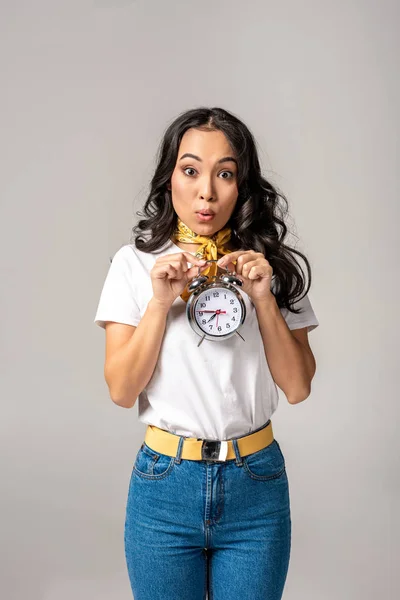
[216, 313]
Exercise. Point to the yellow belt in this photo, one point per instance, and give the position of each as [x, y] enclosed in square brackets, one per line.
[166, 442]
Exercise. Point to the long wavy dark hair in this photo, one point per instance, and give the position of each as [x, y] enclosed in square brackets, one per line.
[257, 220]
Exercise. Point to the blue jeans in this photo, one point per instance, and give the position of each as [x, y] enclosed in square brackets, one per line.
[198, 527]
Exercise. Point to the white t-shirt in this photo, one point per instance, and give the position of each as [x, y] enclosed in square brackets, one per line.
[218, 390]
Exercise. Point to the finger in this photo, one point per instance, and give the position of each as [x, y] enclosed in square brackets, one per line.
[163, 268]
[230, 256]
[230, 267]
[246, 267]
[258, 273]
[254, 273]
[178, 257]
[234, 256]
[195, 260]
[237, 255]
[180, 266]
[174, 272]
[171, 272]
[227, 261]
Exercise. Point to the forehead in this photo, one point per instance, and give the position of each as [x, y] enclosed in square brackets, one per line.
[205, 144]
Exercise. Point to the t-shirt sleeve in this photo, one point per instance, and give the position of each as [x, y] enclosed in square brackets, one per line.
[117, 299]
[306, 318]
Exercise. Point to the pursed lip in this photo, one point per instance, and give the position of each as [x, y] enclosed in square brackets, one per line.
[206, 212]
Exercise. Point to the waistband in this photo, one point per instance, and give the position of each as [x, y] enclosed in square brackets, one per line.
[168, 443]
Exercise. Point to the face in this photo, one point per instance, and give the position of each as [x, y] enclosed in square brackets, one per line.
[207, 179]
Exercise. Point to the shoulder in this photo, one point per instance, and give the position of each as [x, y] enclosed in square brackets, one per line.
[135, 262]
[123, 259]
[128, 253]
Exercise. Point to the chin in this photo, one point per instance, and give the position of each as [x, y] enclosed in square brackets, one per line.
[206, 228]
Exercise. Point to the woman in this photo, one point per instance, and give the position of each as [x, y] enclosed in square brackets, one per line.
[208, 505]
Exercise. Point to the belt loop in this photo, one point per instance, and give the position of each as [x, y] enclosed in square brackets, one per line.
[178, 458]
[239, 460]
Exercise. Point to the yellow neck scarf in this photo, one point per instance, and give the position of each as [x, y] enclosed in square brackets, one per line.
[210, 247]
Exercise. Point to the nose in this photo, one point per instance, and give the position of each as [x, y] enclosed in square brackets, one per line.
[206, 189]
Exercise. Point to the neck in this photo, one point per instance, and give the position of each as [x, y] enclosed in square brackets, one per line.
[187, 239]
[193, 247]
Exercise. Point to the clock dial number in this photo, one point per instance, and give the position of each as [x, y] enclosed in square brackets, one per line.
[218, 312]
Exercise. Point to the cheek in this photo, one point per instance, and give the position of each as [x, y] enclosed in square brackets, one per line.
[230, 193]
[231, 200]
[178, 185]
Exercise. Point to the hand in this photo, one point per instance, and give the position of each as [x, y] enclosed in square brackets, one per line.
[170, 275]
[254, 270]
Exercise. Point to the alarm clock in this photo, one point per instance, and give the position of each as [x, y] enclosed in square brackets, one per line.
[216, 309]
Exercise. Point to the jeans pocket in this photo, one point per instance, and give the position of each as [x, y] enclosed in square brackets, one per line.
[265, 464]
[150, 464]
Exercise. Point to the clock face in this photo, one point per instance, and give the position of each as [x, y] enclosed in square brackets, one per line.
[217, 311]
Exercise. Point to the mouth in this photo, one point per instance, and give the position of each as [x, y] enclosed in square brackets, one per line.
[206, 212]
[205, 216]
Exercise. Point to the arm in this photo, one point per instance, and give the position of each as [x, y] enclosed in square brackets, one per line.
[288, 354]
[129, 367]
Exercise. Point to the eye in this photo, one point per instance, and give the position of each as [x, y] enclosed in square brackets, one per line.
[191, 169]
[188, 169]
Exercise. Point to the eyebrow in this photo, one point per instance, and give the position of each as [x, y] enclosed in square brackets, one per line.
[221, 160]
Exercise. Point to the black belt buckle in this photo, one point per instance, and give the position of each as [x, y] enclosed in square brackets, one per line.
[212, 450]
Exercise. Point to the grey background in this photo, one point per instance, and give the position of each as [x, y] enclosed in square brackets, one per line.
[87, 91]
